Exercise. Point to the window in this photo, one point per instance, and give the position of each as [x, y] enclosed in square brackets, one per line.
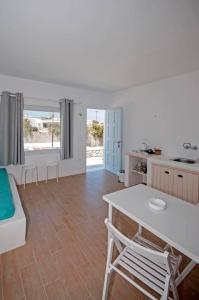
[41, 130]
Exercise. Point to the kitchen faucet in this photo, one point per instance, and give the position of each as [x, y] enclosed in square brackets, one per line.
[189, 146]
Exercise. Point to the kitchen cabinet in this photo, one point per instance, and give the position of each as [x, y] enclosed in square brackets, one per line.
[185, 186]
[179, 183]
[162, 178]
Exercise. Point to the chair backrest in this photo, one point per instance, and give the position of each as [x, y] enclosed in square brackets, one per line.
[160, 258]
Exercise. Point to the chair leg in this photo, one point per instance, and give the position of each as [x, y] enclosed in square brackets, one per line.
[106, 285]
[174, 290]
[139, 229]
[118, 246]
[22, 173]
[36, 170]
[24, 186]
[169, 248]
[108, 272]
[57, 172]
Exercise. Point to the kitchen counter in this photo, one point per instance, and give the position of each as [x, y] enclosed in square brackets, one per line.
[132, 158]
[167, 161]
[173, 177]
[139, 154]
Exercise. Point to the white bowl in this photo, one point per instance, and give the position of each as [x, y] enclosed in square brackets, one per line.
[157, 204]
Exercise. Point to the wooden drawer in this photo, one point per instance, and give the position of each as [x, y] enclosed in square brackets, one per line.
[162, 178]
[176, 182]
[185, 186]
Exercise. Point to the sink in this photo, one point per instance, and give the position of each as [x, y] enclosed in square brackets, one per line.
[184, 160]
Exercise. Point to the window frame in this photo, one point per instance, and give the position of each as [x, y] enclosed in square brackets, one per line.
[44, 109]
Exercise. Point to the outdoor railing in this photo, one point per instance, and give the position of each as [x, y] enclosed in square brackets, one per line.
[95, 152]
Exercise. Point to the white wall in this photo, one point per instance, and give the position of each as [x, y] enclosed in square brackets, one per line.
[40, 93]
[165, 113]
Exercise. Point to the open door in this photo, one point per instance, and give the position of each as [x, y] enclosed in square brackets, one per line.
[113, 140]
[95, 139]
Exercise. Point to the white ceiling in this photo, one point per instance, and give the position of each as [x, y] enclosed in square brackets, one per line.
[102, 44]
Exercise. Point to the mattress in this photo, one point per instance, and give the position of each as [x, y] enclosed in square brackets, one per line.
[7, 208]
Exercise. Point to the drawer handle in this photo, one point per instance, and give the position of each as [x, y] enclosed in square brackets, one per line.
[179, 175]
[166, 172]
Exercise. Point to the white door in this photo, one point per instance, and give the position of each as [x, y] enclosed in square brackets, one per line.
[113, 140]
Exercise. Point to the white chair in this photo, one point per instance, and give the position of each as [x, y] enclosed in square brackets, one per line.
[155, 268]
[52, 164]
[29, 168]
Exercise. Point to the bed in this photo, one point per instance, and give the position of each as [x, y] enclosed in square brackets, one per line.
[12, 221]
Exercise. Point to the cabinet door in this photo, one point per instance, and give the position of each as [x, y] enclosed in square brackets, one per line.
[186, 186]
[162, 178]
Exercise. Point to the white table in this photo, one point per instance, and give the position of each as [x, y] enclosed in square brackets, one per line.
[177, 225]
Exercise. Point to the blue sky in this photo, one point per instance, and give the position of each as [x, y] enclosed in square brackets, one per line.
[39, 114]
[92, 114]
[96, 114]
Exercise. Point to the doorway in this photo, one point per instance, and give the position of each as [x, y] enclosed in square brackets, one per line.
[113, 140]
[95, 139]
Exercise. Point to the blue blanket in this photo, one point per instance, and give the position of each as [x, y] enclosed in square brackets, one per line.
[7, 208]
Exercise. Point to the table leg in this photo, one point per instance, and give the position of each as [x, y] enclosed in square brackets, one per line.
[110, 212]
[185, 272]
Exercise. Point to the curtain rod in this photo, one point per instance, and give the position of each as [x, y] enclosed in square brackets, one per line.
[40, 98]
[13, 94]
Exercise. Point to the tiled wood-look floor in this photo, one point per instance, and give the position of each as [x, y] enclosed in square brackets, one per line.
[64, 257]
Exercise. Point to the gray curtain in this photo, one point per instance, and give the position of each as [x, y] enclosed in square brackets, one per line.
[66, 115]
[11, 129]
